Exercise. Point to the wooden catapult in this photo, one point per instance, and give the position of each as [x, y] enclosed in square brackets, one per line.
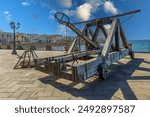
[27, 59]
[99, 54]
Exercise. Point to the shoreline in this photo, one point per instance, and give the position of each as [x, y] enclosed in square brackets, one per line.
[143, 52]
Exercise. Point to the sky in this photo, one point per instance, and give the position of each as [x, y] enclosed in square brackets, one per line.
[37, 16]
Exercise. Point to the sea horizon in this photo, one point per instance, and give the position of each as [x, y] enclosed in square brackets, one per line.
[140, 45]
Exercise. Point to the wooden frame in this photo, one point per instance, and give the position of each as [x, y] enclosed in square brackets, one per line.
[80, 65]
[109, 53]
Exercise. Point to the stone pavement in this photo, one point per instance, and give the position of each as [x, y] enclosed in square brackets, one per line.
[128, 79]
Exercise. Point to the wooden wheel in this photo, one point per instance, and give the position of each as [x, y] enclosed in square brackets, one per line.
[62, 18]
[131, 53]
[103, 71]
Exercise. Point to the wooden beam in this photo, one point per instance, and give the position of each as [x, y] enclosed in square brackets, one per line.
[96, 33]
[123, 37]
[86, 70]
[116, 55]
[73, 45]
[76, 41]
[107, 19]
[86, 34]
[109, 39]
[76, 55]
[79, 45]
[106, 34]
[89, 68]
[91, 32]
[103, 30]
[81, 35]
[117, 38]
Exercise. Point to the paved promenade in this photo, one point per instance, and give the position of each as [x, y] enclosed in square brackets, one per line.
[129, 79]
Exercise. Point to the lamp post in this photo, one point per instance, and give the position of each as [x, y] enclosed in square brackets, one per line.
[14, 27]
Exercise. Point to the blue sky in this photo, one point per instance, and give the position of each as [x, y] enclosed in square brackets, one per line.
[36, 16]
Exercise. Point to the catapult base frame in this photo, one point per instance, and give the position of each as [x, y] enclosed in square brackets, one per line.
[77, 65]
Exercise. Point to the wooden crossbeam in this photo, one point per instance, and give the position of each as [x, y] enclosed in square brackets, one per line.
[91, 32]
[77, 55]
[105, 34]
[106, 20]
[117, 38]
[123, 37]
[96, 34]
[109, 39]
[26, 59]
[103, 30]
[77, 40]
[82, 35]
[73, 45]
[86, 34]
[89, 68]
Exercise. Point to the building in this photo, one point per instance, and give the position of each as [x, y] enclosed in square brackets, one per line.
[7, 37]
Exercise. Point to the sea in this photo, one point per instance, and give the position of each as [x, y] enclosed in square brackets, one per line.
[137, 46]
[140, 45]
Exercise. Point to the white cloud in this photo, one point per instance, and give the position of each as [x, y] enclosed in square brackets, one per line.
[69, 12]
[8, 15]
[110, 8]
[52, 11]
[25, 4]
[6, 12]
[43, 4]
[107, 26]
[66, 3]
[83, 12]
[95, 4]
[51, 14]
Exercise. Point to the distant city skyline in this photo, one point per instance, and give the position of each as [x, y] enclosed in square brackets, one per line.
[36, 16]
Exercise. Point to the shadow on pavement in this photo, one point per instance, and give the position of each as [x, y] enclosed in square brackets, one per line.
[104, 89]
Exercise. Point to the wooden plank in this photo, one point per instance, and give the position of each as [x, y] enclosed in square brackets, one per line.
[117, 38]
[106, 34]
[51, 67]
[123, 37]
[91, 32]
[77, 55]
[113, 57]
[117, 55]
[81, 35]
[96, 34]
[79, 72]
[79, 45]
[124, 52]
[109, 39]
[77, 41]
[50, 58]
[73, 45]
[86, 70]
[103, 30]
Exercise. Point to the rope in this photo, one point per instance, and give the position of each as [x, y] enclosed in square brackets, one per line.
[74, 58]
[122, 22]
[127, 19]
